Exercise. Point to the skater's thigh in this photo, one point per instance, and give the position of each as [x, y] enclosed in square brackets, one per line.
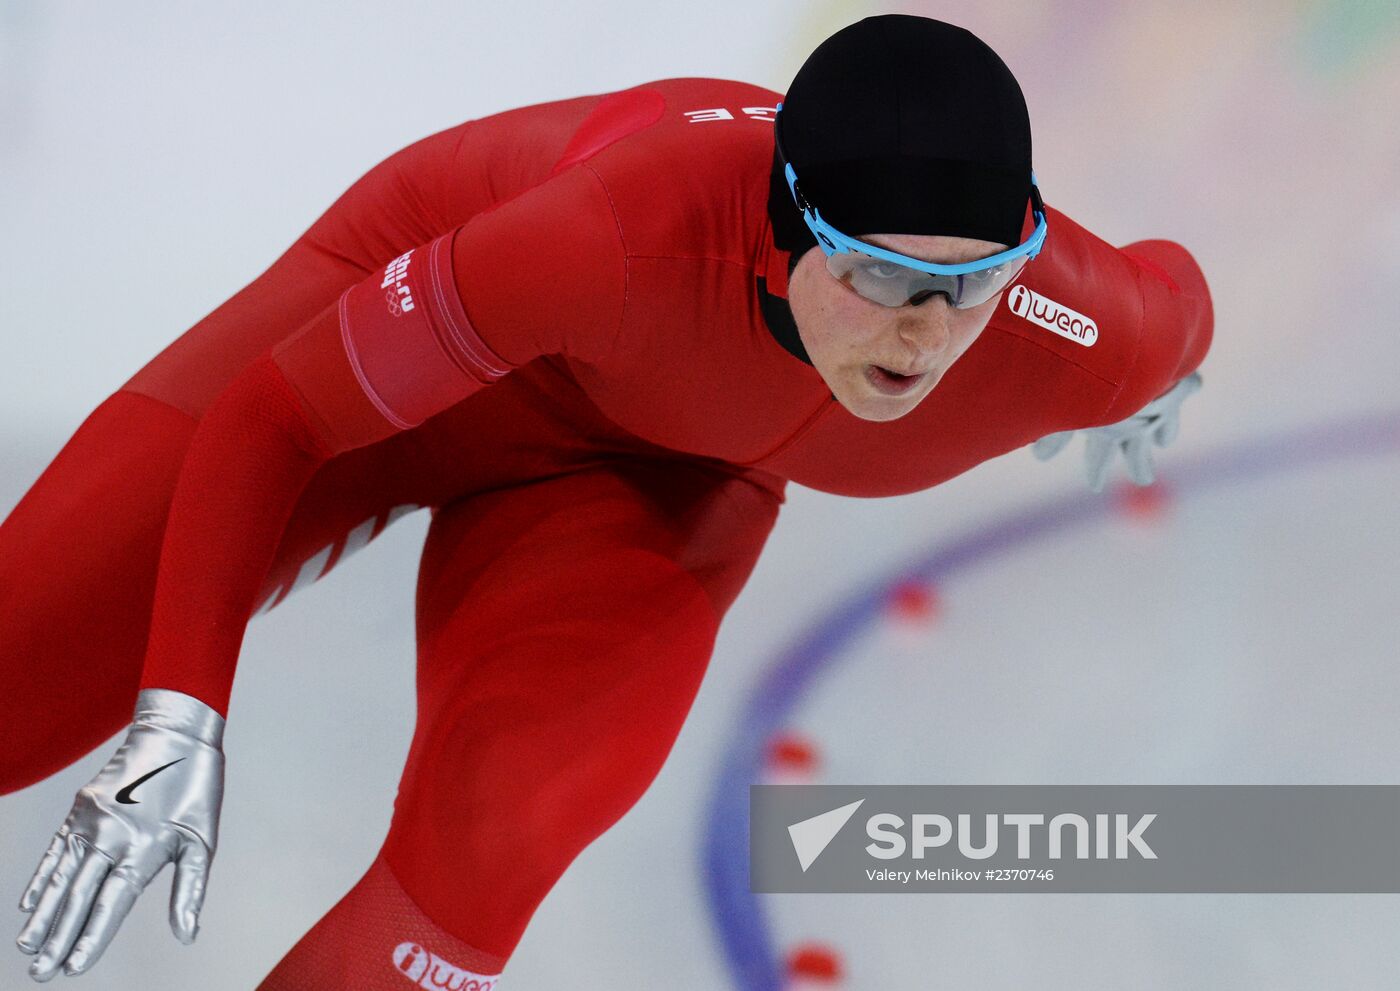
[564, 627]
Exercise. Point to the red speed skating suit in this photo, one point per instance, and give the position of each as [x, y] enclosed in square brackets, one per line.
[606, 266]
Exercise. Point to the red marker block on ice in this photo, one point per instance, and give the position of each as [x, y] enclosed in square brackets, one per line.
[913, 603]
[791, 758]
[1148, 503]
[814, 967]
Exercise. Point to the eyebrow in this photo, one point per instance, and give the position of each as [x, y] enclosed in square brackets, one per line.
[944, 260]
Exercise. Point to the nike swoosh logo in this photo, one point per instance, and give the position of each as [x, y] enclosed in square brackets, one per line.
[124, 796]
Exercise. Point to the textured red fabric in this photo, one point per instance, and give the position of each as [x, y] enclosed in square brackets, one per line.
[564, 627]
[1170, 280]
[532, 739]
[81, 551]
[377, 939]
[412, 348]
[78, 557]
[248, 460]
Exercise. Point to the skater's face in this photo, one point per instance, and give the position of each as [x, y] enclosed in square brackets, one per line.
[856, 344]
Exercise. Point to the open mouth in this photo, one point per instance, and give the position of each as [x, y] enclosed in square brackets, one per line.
[889, 382]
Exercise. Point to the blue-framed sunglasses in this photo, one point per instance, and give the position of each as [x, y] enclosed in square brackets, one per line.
[891, 279]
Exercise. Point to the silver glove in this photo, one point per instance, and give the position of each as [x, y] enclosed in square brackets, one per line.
[156, 801]
[1158, 422]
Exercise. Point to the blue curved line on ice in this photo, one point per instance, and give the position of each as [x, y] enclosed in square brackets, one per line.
[737, 913]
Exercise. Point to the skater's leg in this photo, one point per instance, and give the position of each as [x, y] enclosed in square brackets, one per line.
[564, 627]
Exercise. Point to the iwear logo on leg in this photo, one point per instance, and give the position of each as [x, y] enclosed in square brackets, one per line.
[431, 972]
[1055, 317]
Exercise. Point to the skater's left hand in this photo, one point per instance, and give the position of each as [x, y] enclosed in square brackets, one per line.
[1157, 422]
[125, 826]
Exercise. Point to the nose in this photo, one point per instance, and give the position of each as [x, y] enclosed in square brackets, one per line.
[926, 328]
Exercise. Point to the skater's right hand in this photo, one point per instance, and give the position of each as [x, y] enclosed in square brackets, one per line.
[156, 801]
[1157, 422]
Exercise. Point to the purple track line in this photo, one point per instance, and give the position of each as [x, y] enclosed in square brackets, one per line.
[738, 915]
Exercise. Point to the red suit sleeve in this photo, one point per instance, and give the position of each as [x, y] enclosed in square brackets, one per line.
[1177, 319]
[541, 274]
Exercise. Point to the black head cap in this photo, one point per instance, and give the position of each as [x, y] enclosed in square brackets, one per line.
[904, 125]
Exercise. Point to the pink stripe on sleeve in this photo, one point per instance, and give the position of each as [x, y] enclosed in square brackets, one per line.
[408, 338]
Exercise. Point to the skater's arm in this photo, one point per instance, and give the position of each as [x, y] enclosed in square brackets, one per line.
[1177, 324]
[1141, 321]
[251, 455]
[544, 273]
[541, 274]
[1136, 319]
[1148, 328]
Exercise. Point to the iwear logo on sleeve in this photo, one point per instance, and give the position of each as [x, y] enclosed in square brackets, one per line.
[1054, 317]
